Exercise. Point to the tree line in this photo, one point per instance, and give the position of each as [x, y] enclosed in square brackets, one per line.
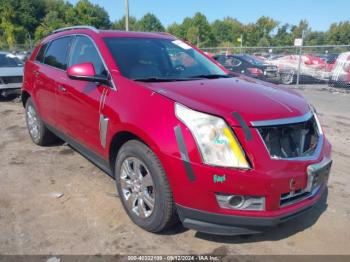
[27, 21]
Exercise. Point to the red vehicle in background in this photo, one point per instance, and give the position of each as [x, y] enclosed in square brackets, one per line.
[183, 138]
[330, 60]
[341, 71]
[312, 69]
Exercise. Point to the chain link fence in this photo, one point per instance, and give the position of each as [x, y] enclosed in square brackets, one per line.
[289, 65]
[15, 48]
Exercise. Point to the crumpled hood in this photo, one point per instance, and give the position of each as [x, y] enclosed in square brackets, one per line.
[11, 71]
[254, 100]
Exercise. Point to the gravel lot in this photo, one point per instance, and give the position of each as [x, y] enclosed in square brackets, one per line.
[54, 201]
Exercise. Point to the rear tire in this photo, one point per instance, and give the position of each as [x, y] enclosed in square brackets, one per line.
[143, 188]
[38, 132]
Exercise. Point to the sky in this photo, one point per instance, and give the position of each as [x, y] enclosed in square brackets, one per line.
[319, 13]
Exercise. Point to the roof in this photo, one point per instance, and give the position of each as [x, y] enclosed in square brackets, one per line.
[134, 34]
[107, 33]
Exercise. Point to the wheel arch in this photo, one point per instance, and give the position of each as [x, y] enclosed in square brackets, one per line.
[119, 139]
[24, 97]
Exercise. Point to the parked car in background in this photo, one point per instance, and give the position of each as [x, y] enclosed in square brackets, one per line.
[330, 60]
[22, 55]
[312, 68]
[340, 75]
[11, 74]
[249, 65]
[183, 138]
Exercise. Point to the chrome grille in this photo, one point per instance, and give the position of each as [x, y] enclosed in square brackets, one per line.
[12, 79]
[271, 68]
[295, 140]
[297, 196]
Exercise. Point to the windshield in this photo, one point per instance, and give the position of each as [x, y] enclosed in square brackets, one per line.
[8, 60]
[160, 59]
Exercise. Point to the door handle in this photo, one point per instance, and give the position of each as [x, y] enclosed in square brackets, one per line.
[36, 73]
[62, 88]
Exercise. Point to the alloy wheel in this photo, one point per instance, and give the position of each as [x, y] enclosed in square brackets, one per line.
[33, 122]
[137, 187]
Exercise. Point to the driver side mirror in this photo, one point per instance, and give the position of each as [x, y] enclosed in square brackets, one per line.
[86, 72]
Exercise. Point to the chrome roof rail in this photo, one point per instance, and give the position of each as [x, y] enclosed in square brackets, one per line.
[75, 27]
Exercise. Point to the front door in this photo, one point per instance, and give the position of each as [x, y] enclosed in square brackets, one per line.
[79, 103]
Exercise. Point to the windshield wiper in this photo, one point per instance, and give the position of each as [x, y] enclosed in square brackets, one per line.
[212, 76]
[157, 79]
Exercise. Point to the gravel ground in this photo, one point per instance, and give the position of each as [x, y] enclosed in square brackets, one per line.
[54, 201]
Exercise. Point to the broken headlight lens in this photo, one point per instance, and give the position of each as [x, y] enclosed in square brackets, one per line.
[216, 142]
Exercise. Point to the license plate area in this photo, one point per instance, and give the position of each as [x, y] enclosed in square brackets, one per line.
[317, 174]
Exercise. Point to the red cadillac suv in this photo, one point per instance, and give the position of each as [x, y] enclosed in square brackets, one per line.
[183, 138]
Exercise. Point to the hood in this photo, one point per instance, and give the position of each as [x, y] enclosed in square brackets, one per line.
[254, 100]
[11, 71]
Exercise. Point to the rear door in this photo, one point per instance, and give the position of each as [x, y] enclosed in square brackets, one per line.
[43, 98]
[50, 76]
[79, 106]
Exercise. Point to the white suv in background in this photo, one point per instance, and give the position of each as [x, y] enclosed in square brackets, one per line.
[11, 74]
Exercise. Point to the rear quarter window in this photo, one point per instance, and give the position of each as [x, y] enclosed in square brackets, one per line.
[57, 53]
[40, 56]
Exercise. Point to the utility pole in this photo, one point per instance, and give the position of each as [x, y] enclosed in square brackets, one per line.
[126, 15]
[30, 41]
[300, 52]
[241, 43]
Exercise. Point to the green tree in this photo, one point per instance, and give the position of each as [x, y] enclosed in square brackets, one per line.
[339, 34]
[19, 19]
[58, 14]
[175, 29]
[316, 38]
[120, 24]
[264, 41]
[251, 35]
[227, 30]
[265, 25]
[193, 35]
[86, 13]
[150, 23]
[197, 30]
[298, 30]
[283, 36]
[53, 20]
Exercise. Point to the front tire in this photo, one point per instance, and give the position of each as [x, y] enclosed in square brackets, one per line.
[287, 78]
[143, 187]
[38, 132]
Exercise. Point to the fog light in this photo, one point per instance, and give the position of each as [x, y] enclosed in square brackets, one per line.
[236, 201]
[239, 202]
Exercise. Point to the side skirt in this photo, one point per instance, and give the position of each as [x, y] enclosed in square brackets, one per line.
[87, 153]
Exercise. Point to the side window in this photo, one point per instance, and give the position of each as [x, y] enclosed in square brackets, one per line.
[220, 59]
[41, 53]
[236, 62]
[57, 52]
[84, 51]
[231, 62]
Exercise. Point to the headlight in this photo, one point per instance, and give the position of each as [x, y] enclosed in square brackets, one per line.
[215, 140]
